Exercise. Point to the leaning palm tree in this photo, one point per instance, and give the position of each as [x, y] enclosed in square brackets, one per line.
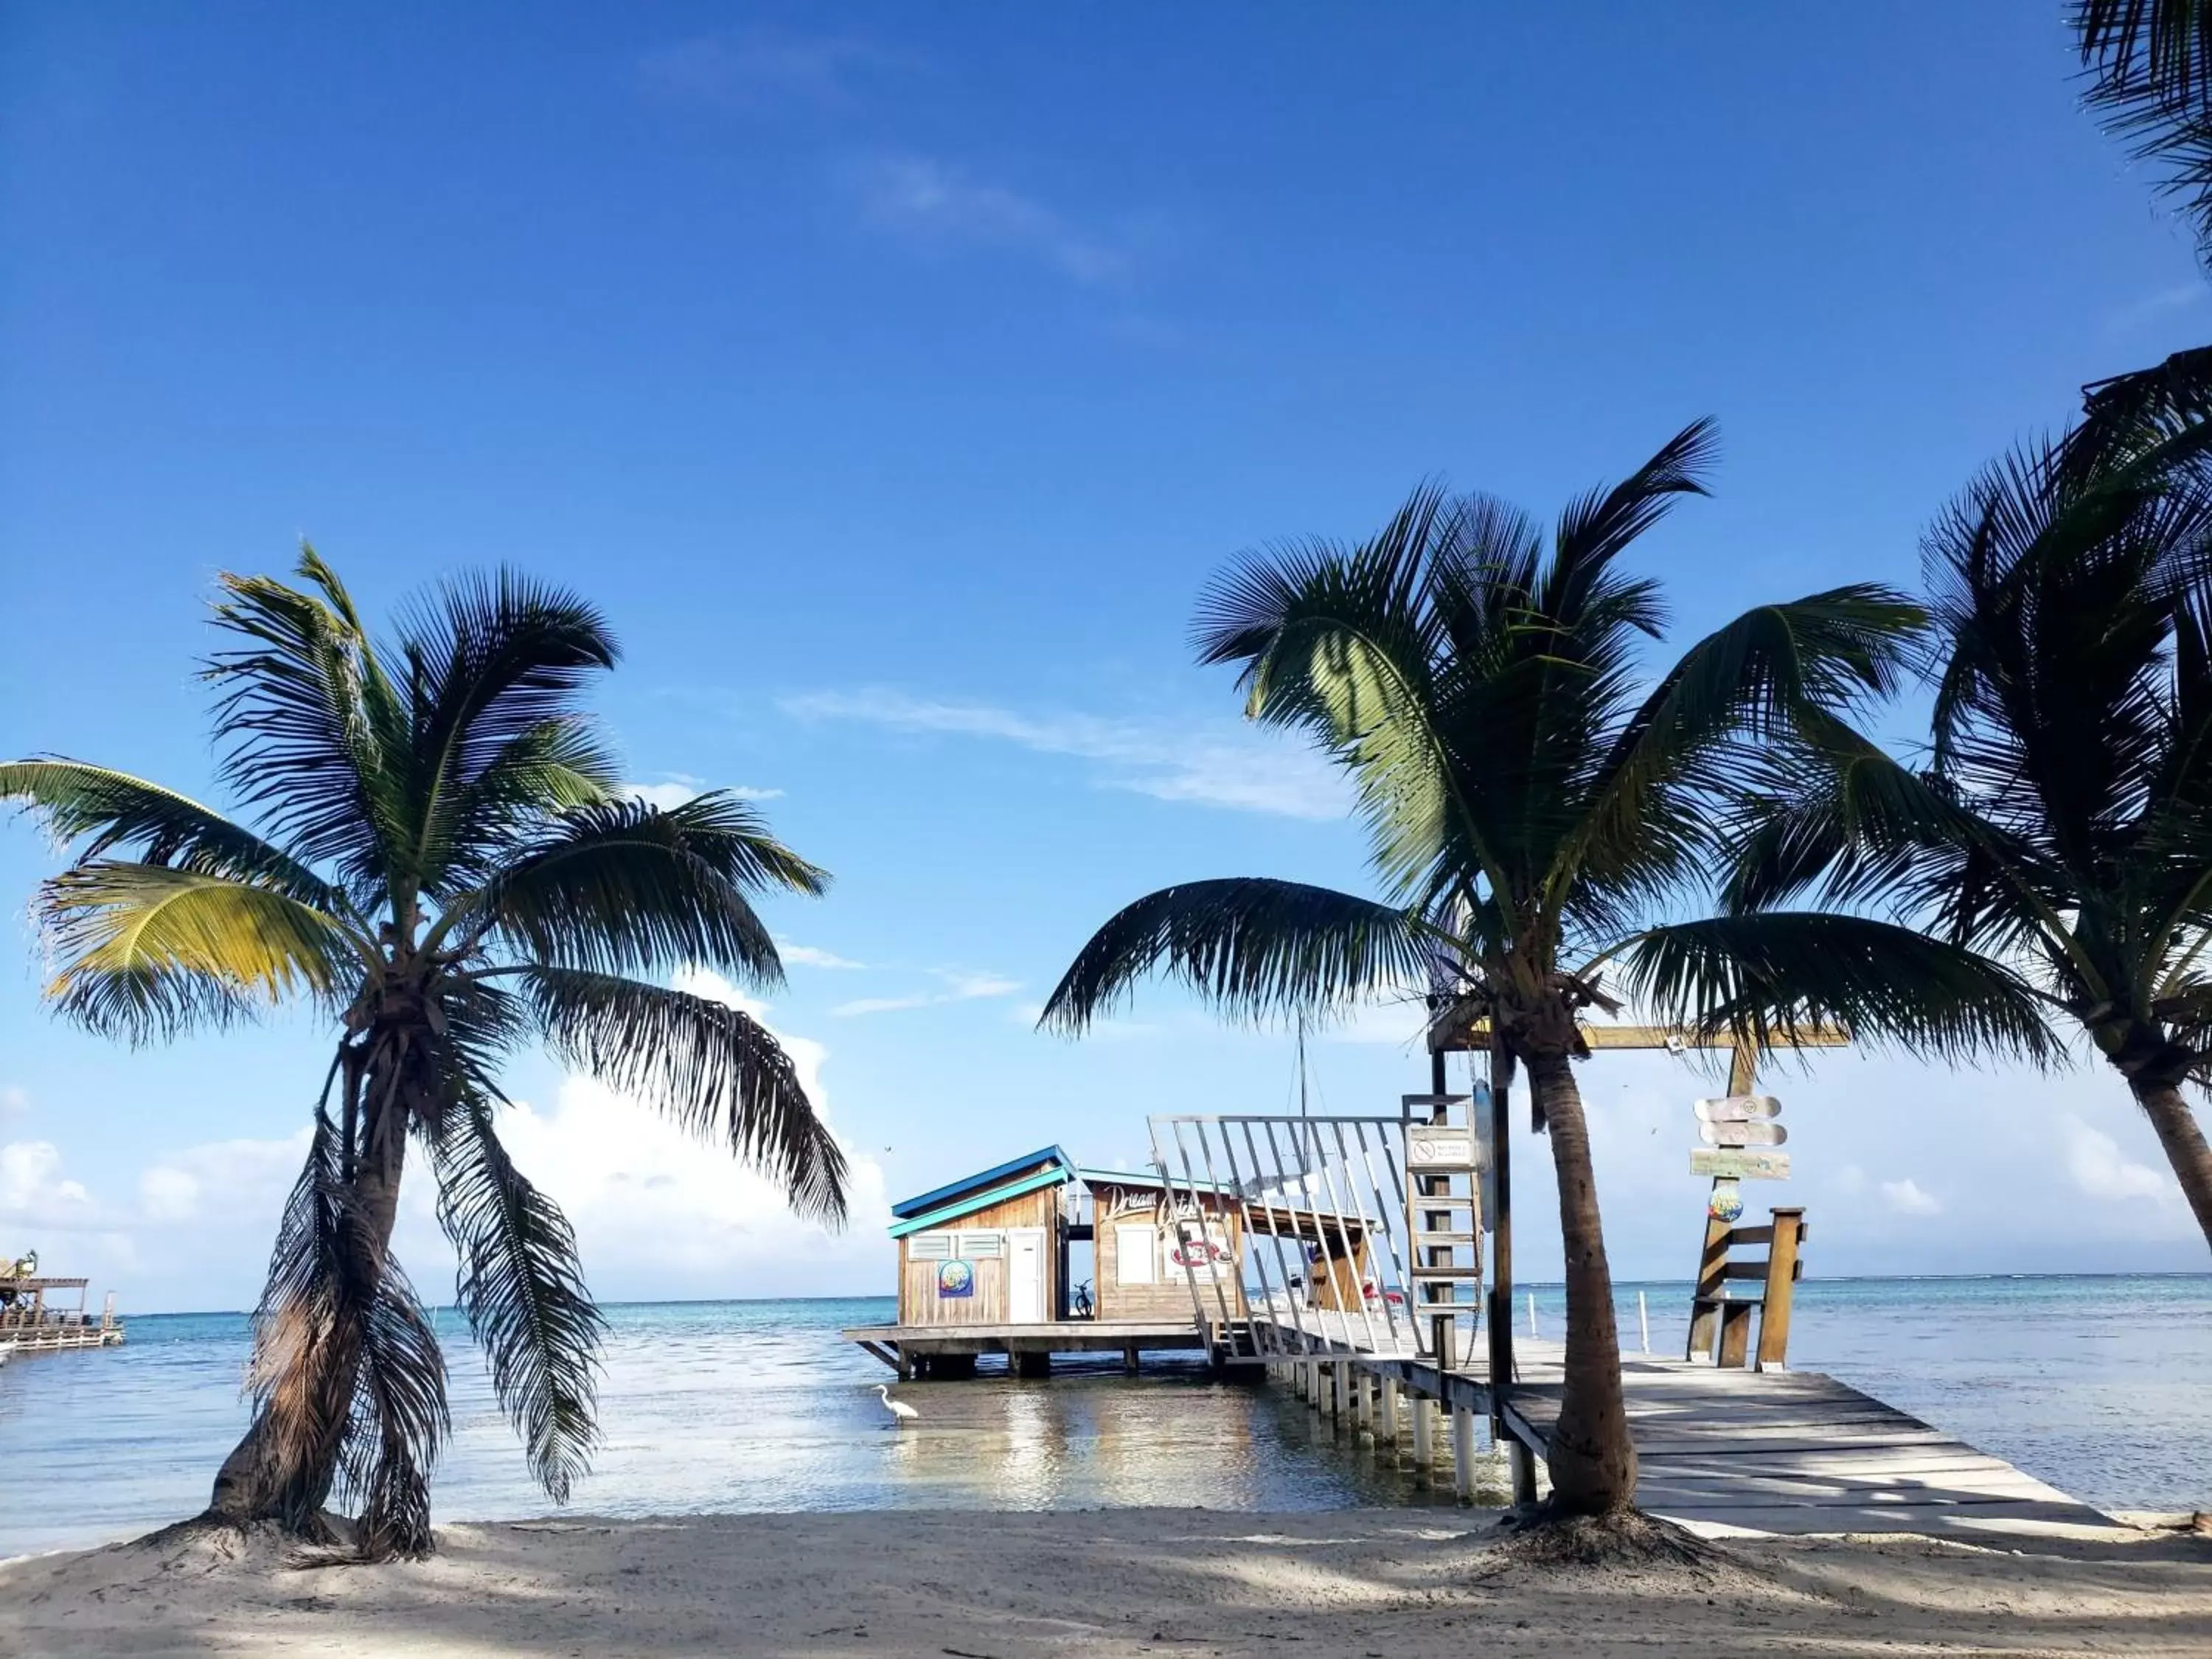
[447, 867]
[2063, 826]
[1534, 814]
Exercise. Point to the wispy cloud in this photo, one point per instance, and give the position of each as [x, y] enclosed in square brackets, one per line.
[760, 67]
[1223, 763]
[932, 203]
[960, 985]
[2182, 296]
[808, 956]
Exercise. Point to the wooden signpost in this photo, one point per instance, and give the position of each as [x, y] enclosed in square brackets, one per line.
[1742, 1134]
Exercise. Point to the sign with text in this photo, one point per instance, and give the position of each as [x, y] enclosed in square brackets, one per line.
[1738, 1109]
[1433, 1146]
[1740, 1162]
[1742, 1134]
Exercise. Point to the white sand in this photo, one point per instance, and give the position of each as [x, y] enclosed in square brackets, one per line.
[1404, 1584]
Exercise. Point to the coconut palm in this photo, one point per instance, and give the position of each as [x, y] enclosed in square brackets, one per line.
[1533, 808]
[2063, 826]
[446, 867]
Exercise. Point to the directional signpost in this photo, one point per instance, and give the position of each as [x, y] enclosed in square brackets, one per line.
[1731, 1127]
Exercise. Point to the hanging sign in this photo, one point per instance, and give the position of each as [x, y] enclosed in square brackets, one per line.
[1740, 1162]
[1742, 1134]
[1738, 1109]
[1432, 1147]
[1727, 1201]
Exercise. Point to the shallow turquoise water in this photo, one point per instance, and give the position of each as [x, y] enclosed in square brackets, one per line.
[2097, 1384]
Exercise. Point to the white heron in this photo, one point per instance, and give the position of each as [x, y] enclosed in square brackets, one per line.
[902, 1413]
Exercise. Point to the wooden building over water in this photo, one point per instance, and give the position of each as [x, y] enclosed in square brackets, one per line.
[994, 1263]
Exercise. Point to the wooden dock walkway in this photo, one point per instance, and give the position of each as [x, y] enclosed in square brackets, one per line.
[1728, 1450]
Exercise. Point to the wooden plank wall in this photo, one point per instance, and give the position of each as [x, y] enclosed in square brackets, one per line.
[919, 1304]
[1167, 1297]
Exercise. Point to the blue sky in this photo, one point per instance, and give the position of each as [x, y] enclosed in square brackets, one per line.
[893, 378]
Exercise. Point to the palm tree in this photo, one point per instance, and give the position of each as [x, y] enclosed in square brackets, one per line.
[2062, 827]
[1531, 816]
[447, 867]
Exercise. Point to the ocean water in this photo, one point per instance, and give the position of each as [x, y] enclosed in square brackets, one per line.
[2096, 1384]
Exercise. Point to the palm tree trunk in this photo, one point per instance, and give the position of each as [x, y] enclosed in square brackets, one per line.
[276, 1472]
[2184, 1141]
[1592, 1460]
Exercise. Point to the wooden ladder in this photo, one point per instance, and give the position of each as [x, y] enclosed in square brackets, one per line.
[1720, 1324]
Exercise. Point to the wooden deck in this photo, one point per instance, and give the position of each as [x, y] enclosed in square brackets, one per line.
[1773, 1451]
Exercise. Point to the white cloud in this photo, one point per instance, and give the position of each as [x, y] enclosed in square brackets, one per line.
[960, 986]
[1213, 763]
[760, 67]
[808, 956]
[31, 1184]
[927, 200]
[1906, 1197]
[169, 1195]
[2094, 1161]
[15, 1102]
[676, 789]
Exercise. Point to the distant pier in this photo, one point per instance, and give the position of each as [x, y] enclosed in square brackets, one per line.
[30, 1322]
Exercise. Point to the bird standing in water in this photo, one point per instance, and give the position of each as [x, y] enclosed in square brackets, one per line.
[902, 1413]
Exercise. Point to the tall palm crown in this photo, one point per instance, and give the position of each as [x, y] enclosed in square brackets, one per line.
[447, 865]
[2063, 828]
[1535, 806]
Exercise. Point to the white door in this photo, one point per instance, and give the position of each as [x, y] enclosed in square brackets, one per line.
[1025, 1276]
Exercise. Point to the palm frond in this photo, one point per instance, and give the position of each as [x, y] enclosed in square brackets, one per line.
[2149, 64]
[1764, 678]
[1783, 973]
[1250, 946]
[314, 727]
[626, 888]
[492, 660]
[1598, 526]
[522, 1287]
[112, 810]
[713, 1068]
[146, 950]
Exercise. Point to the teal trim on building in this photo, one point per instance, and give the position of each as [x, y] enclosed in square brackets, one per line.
[1051, 1177]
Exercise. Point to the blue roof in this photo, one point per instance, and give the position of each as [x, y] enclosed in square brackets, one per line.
[937, 1198]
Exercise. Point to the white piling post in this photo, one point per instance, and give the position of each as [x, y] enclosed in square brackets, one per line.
[1643, 1320]
[1531, 1313]
[1462, 1437]
[1425, 1451]
[1388, 1427]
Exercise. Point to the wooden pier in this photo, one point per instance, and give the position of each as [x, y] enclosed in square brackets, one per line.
[1721, 1451]
[31, 1323]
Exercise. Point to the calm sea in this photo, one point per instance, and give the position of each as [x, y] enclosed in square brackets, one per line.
[2097, 1384]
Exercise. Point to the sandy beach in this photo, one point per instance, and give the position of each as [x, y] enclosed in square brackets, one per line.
[1130, 1582]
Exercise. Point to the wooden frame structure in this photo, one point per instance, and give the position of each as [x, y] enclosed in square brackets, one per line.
[30, 1324]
